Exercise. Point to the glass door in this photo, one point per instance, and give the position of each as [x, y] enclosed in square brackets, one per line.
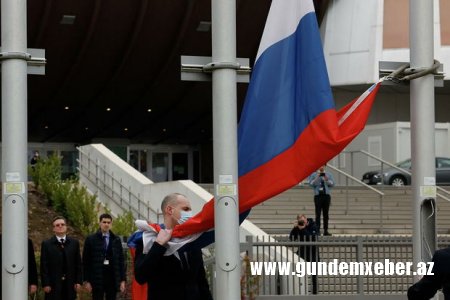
[160, 167]
[164, 163]
[138, 160]
[180, 166]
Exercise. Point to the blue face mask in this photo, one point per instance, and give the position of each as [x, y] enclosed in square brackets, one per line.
[184, 216]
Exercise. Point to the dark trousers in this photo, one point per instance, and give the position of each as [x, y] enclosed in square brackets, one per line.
[108, 290]
[314, 284]
[310, 254]
[61, 294]
[322, 204]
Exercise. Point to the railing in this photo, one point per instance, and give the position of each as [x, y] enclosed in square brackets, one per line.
[107, 183]
[364, 251]
[404, 171]
[354, 179]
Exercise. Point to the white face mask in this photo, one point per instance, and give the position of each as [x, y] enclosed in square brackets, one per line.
[184, 216]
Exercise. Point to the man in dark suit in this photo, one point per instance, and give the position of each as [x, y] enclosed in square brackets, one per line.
[427, 287]
[34, 160]
[61, 267]
[305, 230]
[103, 262]
[179, 276]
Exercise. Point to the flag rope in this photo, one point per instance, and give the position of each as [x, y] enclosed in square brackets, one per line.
[410, 74]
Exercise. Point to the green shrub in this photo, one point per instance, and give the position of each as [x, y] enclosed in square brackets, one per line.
[124, 224]
[67, 197]
[46, 175]
[72, 200]
[58, 197]
[82, 208]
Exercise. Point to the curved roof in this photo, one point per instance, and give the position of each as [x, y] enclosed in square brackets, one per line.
[113, 68]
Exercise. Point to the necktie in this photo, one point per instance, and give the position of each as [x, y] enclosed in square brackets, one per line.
[105, 243]
[323, 185]
[64, 259]
[183, 259]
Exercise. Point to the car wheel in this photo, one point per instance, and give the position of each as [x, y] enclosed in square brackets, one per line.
[398, 181]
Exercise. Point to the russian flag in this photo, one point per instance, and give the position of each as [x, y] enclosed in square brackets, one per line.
[289, 126]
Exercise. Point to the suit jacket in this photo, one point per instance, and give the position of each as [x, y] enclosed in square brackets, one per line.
[168, 278]
[94, 256]
[52, 263]
[427, 287]
[307, 234]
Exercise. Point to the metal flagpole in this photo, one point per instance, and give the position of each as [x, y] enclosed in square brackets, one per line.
[224, 66]
[422, 132]
[14, 149]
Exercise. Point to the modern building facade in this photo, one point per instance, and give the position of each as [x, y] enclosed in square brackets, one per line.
[113, 74]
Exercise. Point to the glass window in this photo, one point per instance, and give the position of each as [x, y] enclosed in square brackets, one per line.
[68, 163]
[180, 166]
[143, 161]
[134, 158]
[160, 167]
[405, 164]
[196, 166]
[50, 153]
[443, 162]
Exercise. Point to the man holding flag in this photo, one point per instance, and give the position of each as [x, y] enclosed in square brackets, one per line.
[171, 274]
[288, 114]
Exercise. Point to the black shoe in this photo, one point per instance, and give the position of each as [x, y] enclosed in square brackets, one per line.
[327, 233]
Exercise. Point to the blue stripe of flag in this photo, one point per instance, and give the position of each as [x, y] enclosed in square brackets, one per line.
[289, 76]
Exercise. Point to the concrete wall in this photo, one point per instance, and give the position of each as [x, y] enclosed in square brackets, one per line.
[353, 32]
[351, 40]
[101, 171]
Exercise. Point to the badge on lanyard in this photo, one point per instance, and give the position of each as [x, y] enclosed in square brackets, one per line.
[106, 262]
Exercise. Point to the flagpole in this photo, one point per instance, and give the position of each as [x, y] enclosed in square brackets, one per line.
[422, 132]
[14, 58]
[223, 18]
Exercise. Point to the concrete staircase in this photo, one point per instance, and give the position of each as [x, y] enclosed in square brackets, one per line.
[354, 210]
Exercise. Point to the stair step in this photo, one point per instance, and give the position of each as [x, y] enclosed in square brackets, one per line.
[352, 211]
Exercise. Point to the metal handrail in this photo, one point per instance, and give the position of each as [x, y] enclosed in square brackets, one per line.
[380, 193]
[356, 180]
[443, 190]
[98, 180]
[112, 198]
[384, 161]
[405, 171]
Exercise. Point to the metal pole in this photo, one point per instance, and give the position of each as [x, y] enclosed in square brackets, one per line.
[359, 257]
[422, 131]
[14, 150]
[223, 18]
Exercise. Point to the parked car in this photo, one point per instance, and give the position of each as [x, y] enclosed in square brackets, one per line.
[392, 176]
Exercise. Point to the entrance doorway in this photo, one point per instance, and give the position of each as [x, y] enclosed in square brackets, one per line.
[164, 163]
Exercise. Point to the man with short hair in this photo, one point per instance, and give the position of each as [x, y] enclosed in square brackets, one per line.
[179, 276]
[103, 262]
[305, 230]
[322, 182]
[60, 264]
[34, 160]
